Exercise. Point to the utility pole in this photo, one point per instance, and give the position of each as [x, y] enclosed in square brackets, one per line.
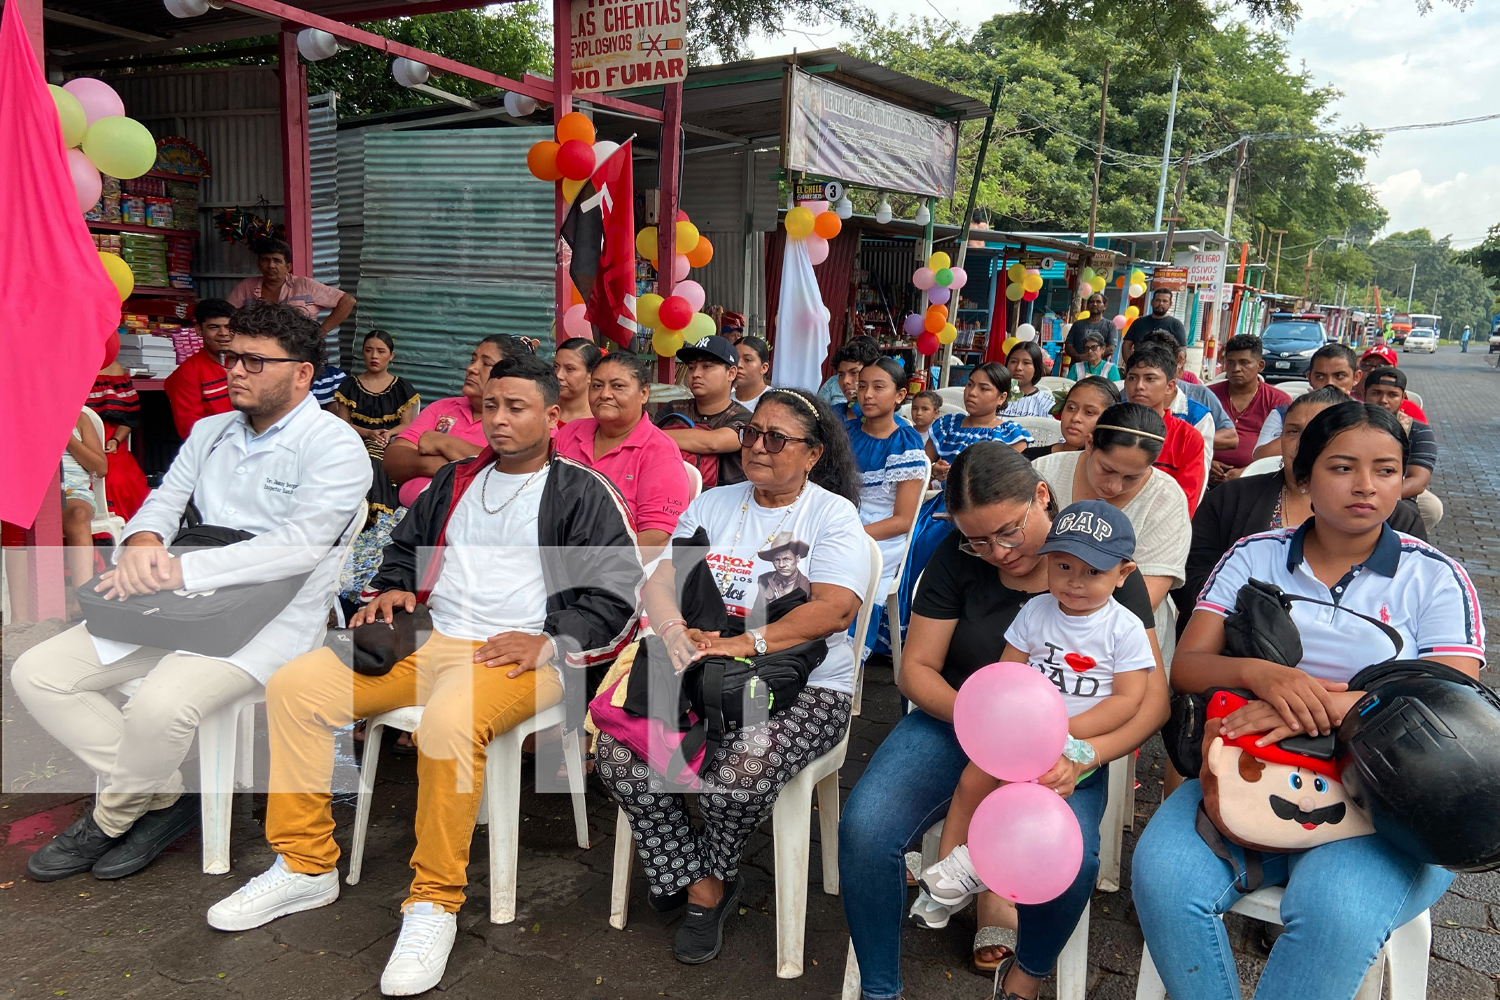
[1307, 272]
[1166, 150]
[1276, 277]
[1234, 180]
[1413, 287]
[1173, 219]
[1099, 153]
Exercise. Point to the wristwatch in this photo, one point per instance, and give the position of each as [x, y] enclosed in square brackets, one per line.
[1079, 751]
[760, 641]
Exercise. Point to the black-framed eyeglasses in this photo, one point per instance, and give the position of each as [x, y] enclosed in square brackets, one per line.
[254, 363]
[1011, 539]
[772, 441]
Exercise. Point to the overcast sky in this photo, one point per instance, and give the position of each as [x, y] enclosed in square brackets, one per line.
[1394, 66]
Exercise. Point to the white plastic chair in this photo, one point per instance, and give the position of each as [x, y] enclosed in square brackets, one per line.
[1405, 953]
[1044, 430]
[1295, 389]
[895, 587]
[1415, 398]
[226, 749]
[103, 522]
[791, 824]
[1055, 383]
[501, 804]
[695, 480]
[1271, 463]
[953, 395]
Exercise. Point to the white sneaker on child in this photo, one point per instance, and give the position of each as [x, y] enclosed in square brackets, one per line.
[952, 882]
[927, 913]
[420, 957]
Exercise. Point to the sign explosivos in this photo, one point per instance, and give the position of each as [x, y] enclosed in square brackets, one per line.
[617, 44]
[1205, 269]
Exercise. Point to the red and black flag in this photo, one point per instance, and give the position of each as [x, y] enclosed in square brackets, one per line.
[600, 231]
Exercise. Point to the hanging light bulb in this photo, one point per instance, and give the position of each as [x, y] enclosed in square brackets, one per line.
[843, 208]
[409, 72]
[923, 216]
[883, 210]
[519, 105]
[315, 44]
[186, 8]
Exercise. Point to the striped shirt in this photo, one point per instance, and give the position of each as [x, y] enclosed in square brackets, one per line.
[949, 436]
[1422, 450]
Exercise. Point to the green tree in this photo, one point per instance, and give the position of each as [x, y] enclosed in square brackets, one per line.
[1486, 256]
[1445, 283]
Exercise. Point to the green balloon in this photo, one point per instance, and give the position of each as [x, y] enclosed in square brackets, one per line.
[69, 115]
[120, 147]
[943, 276]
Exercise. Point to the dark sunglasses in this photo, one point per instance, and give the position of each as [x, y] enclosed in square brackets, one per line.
[254, 363]
[772, 441]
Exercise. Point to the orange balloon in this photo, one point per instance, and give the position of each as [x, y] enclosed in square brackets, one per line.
[575, 126]
[938, 310]
[935, 320]
[577, 297]
[827, 225]
[702, 253]
[541, 160]
[1120, 281]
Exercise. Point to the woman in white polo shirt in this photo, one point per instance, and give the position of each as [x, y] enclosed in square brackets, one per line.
[1343, 898]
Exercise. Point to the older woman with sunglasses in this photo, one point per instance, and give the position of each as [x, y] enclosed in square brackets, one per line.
[972, 588]
[792, 525]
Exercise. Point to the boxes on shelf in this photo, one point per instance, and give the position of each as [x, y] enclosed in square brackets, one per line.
[180, 263]
[184, 195]
[133, 209]
[186, 342]
[150, 351]
[146, 253]
[107, 242]
[159, 212]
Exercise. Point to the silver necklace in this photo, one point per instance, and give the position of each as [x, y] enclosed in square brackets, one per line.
[724, 575]
[484, 489]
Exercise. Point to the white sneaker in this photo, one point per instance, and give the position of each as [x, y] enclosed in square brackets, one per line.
[271, 894]
[420, 957]
[952, 882]
[925, 912]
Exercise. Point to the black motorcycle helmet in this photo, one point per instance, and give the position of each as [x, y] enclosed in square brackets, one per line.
[1420, 752]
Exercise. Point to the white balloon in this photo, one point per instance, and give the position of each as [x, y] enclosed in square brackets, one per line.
[315, 44]
[1025, 332]
[519, 105]
[409, 72]
[602, 150]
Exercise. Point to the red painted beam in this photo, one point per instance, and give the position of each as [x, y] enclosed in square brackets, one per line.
[296, 164]
[666, 226]
[604, 100]
[562, 103]
[381, 13]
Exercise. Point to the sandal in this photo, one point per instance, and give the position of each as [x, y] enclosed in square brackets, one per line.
[913, 867]
[1000, 970]
[993, 937]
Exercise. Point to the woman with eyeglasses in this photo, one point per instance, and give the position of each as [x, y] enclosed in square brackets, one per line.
[977, 581]
[792, 523]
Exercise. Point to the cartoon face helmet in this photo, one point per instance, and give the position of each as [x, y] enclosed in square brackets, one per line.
[1271, 798]
[1421, 752]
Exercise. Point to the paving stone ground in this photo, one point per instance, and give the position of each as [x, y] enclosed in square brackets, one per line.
[145, 936]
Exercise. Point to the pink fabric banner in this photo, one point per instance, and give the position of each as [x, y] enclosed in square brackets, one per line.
[58, 304]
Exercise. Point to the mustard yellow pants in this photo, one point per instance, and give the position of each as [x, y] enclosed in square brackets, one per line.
[466, 706]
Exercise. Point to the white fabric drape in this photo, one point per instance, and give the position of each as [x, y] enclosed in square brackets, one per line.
[801, 323]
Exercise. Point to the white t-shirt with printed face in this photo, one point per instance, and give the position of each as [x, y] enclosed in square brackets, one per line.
[817, 539]
[1081, 654]
[491, 578]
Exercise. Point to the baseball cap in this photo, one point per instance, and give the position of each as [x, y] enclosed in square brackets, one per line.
[1094, 531]
[713, 348]
[1387, 376]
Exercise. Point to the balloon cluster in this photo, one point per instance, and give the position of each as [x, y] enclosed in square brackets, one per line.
[675, 320]
[1025, 283]
[814, 222]
[939, 279]
[1136, 289]
[570, 161]
[1092, 280]
[1024, 840]
[99, 139]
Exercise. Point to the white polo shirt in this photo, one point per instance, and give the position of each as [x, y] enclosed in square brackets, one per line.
[1406, 583]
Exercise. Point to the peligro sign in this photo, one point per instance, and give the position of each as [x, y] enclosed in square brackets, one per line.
[617, 44]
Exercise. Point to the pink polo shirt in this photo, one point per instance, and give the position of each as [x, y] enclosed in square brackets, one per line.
[646, 468]
[303, 294]
[452, 415]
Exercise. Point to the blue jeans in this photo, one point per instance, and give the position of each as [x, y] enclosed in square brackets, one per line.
[1342, 901]
[905, 789]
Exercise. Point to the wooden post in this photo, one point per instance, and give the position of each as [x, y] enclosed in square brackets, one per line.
[1099, 153]
[669, 160]
[296, 164]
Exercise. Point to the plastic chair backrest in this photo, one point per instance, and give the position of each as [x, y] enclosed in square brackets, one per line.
[101, 502]
[1414, 398]
[953, 395]
[695, 480]
[1043, 430]
[1055, 382]
[1295, 389]
[1271, 463]
[866, 611]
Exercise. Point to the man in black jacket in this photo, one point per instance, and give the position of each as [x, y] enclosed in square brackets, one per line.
[528, 564]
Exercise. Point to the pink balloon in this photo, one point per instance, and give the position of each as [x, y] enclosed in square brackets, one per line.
[692, 291]
[98, 98]
[87, 184]
[575, 321]
[1119, 322]
[1011, 721]
[1025, 843]
[817, 208]
[680, 267]
[912, 325]
[817, 249]
[938, 295]
[960, 277]
[924, 278]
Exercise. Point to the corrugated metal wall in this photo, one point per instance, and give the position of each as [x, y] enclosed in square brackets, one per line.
[322, 147]
[715, 193]
[351, 225]
[459, 243]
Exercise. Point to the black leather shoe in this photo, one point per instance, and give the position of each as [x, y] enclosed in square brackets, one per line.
[151, 834]
[701, 933]
[72, 852]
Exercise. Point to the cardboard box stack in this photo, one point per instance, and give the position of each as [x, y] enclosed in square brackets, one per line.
[147, 351]
[147, 256]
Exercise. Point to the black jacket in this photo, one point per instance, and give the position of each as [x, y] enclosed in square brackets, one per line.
[590, 563]
[1243, 507]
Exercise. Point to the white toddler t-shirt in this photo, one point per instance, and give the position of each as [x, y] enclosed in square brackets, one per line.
[1081, 654]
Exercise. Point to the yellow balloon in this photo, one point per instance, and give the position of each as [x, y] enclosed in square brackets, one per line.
[1098, 285]
[1032, 282]
[939, 260]
[646, 244]
[800, 222]
[1137, 277]
[1014, 291]
[1131, 312]
[1082, 314]
[666, 343]
[69, 115]
[570, 188]
[119, 272]
[687, 237]
[948, 334]
[700, 326]
[1016, 272]
[120, 147]
[646, 309]
[1009, 343]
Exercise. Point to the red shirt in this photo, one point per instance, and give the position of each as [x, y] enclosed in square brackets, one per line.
[198, 388]
[646, 468]
[1413, 410]
[1182, 459]
[1248, 421]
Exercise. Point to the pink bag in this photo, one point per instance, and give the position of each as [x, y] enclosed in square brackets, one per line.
[649, 739]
